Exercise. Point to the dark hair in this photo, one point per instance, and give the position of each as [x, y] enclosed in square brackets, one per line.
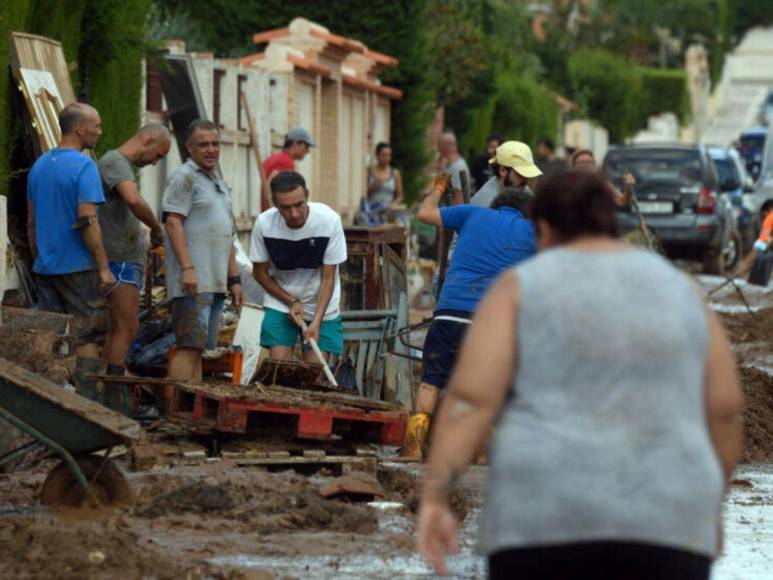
[69, 117]
[518, 198]
[548, 143]
[200, 125]
[288, 143]
[381, 146]
[766, 206]
[285, 181]
[576, 203]
[580, 153]
[495, 137]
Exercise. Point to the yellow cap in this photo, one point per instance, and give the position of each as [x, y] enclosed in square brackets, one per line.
[516, 155]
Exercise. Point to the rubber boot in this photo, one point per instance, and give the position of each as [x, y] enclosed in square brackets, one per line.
[117, 394]
[415, 435]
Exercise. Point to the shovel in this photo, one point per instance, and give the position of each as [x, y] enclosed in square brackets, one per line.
[318, 353]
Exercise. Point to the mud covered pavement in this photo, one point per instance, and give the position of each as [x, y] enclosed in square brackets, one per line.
[222, 521]
[225, 521]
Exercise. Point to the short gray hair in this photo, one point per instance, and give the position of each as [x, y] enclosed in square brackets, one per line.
[200, 125]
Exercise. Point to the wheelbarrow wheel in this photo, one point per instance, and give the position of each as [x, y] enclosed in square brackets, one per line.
[107, 484]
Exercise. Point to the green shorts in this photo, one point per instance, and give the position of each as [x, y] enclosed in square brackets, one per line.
[278, 330]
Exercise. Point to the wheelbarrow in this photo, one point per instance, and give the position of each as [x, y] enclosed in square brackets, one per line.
[72, 427]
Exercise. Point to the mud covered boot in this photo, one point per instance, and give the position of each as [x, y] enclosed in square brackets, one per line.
[415, 435]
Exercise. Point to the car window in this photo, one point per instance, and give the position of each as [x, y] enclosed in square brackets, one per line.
[752, 142]
[648, 165]
[727, 171]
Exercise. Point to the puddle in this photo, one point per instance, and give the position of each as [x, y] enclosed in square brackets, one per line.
[748, 514]
[10, 510]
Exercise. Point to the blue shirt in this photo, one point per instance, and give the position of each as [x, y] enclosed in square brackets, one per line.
[490, 241]
[58, 181]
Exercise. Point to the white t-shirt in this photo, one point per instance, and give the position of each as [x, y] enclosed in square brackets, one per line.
[296, 256]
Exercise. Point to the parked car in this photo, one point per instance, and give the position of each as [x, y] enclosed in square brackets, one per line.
[739, 186]
[751, 145]
[677, 189]
[764, 183]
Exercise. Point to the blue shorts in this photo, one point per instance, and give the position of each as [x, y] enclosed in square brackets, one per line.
[442, 345]
[196, 320]
[279, 330]
[128, 273]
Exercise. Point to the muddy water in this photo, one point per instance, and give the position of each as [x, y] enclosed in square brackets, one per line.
[408, 564]
[748, 516]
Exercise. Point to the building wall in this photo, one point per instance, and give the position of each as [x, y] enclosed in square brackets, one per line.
[266, 96]
[346, 121]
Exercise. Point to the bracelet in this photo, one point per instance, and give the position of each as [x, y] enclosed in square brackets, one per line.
[293, 301]
[187, 268]
[234, 280]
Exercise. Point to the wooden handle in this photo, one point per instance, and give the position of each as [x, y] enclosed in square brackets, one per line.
[318, 353]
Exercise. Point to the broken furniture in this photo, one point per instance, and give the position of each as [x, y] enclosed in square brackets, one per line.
[71, 427]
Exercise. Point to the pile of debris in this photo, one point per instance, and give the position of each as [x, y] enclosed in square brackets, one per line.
[750, 334]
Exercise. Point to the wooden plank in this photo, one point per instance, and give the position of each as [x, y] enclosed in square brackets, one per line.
[41, 53]
[26, 382]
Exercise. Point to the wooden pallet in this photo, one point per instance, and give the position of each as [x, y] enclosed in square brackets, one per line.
[323, 416]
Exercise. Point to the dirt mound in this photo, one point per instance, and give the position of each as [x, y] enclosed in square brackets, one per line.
[745, 327]
[406, 487]
[758, 414]
[39, 548]
[269, 503]
[200, 497]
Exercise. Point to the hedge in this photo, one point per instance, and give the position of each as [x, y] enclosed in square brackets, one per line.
[521, 108]
[104, 39]
[621, 96]
[607, 86]
[663, 90]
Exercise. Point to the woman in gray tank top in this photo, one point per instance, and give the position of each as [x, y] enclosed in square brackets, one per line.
[617, 409]
[385, 184]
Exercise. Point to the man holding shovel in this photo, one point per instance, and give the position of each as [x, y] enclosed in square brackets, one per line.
[296, 249]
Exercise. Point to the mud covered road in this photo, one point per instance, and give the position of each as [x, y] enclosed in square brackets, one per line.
[218, 520]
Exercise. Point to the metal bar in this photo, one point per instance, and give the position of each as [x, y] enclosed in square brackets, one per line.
[367, 314]
[50, 443]
[20, 452]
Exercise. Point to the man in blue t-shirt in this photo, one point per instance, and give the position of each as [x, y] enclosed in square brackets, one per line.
[63, 191]
[490, 240]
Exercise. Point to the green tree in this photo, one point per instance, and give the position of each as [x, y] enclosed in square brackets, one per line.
[608, 86]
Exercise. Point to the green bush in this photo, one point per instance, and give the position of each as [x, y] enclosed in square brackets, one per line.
[13, 17]
[105, 39]
[525, 110]
[520, 108]
[608, 86]
[663, 90]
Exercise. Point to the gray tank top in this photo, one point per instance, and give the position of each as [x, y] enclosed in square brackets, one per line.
[604, 436]
[384, 195]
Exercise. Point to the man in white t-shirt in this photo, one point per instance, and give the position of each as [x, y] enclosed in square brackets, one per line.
[296, 248]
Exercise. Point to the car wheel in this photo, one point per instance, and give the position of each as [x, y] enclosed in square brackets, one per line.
[732, 251]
